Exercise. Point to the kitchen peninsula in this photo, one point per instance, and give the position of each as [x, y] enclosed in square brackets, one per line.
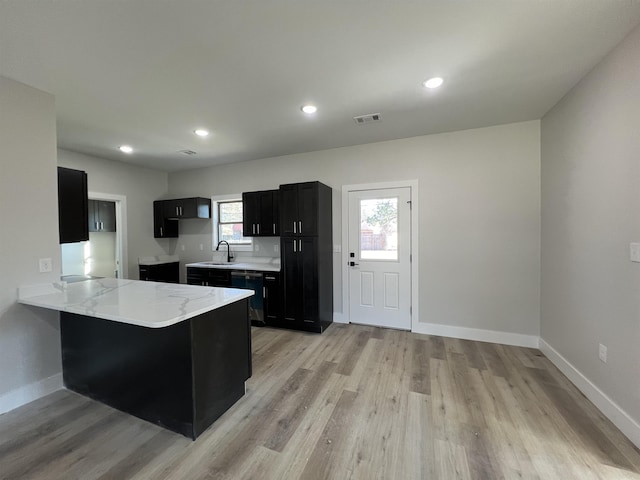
[175, 355]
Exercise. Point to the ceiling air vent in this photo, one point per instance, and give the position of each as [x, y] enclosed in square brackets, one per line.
[370, 118]
[187, 152]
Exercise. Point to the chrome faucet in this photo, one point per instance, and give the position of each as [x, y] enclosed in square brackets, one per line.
[229, 257]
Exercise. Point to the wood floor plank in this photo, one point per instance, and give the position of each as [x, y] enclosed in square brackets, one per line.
[356, 402]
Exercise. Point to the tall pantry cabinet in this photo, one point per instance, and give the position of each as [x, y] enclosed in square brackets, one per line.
[306, 255]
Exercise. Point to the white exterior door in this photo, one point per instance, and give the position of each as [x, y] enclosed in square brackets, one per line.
[379, 257]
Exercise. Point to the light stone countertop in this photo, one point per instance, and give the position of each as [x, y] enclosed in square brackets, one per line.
[259, 264]
[146, 304]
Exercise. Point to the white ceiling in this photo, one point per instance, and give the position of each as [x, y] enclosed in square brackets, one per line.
[148, 72]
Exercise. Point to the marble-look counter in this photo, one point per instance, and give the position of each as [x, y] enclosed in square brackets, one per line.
[158, 259]
[255, 266]
[145, 304]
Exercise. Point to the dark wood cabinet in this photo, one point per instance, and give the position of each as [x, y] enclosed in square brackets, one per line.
[300, 208]
[102, 216]
[271, 298]
[163, 227]
[162, 272]
[260, 214]
[73, 205]
[167, 212]
[196, 207]
[209, 277]
[306, 256]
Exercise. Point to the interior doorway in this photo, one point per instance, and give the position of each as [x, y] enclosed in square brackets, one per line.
[105, 253]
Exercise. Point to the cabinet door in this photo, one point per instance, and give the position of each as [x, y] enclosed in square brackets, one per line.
[106, 215]
[271, 282]
[162, 226]
[171, 208]
[93, 216]
[307, 252]
[308, 208]
[265, 217]
[73, 205]
[250, 213]
[288, 205]
[291, 285]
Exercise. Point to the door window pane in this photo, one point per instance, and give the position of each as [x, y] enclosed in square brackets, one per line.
[379, 229]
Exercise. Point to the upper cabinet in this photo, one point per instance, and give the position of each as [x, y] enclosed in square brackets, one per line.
[260, 214]
[300, 208]
[167, 212]
[73, 204]
[196, 207]
[102, 216]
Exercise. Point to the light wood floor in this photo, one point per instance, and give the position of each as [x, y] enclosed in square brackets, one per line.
[355, 402]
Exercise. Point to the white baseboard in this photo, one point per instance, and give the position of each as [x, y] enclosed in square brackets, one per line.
[493, 336]
[608, 407]
[23, 395]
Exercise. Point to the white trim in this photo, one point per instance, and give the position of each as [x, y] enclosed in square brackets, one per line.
[121, 228]
[606, 405]
[481, 335]
[415, 250]
[28, 393]
[214, 223]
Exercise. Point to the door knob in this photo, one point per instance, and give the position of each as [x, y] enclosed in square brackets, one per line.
[353, 264]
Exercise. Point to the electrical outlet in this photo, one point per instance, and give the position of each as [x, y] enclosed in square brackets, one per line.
[201, 247]
[602, 353]
[634, 252]
[337, 248]
[45, 265]
[182, 247]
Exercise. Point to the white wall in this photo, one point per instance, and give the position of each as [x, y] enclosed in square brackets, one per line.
[479, 215]
[141, 186]
[29, 337]
[590, 214]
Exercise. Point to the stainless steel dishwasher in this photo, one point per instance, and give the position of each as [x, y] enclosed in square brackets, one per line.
[251, 281]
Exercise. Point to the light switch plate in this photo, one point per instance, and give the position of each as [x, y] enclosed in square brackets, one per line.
[337, 248]
[634, 252]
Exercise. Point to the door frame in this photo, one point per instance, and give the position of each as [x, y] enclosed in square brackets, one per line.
[121, 229]
[415, 227]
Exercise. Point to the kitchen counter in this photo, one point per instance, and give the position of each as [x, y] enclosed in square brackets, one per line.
[158, 259]
[146, 304]
[243, 265]
[174, 355]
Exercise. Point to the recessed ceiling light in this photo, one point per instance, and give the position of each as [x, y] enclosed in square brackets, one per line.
[201, 132]
[309, 109]
[126, 149]
[434, 82]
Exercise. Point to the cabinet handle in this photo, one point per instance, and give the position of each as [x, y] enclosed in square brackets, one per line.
[274, 228]
[294, 246]
[258, 225]
[264, 292]
[294, 227]
[253, 228]
[161, 232]
[300, 249]
[101, 225]
[96, 225]
[300, 227]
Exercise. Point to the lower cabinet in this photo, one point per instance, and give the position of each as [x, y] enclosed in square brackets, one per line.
[271, 298]
[307, 296]
[208, 277]
[163, 272]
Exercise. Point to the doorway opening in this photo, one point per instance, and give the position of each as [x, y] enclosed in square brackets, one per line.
[105, 253]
